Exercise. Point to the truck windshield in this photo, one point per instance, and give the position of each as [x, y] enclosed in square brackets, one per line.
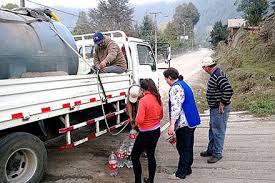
[145, 55]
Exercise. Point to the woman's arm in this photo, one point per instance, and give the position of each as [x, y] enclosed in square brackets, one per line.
[140, 113]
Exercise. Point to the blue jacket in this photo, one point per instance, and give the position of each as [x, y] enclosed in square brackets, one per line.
[189, 106]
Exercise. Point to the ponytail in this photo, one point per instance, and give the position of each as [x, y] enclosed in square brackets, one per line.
[180, 77]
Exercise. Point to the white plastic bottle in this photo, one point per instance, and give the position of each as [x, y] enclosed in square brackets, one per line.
[113, 165]
[132, 136]
[121, 156]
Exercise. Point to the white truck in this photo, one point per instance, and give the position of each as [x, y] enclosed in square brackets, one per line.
[36, 109]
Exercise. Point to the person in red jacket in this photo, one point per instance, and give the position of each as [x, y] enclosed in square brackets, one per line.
[148, 118]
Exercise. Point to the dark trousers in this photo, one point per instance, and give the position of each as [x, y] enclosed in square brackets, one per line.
[185, 143]
[145, 141]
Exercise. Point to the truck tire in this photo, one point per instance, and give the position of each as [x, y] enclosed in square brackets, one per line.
[23, 158]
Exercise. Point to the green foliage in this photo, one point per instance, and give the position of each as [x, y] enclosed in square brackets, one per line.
[10, 6]
[147, 28]
[185, 18]
[253, 10]
[273, 4]
[112, 15]
[219, 33]
[82, 24]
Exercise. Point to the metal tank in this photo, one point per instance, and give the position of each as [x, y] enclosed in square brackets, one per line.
[29, 45]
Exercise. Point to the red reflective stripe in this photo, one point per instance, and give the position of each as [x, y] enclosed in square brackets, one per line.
[77, 102]
[64, 130]
[46, 109]
[17, 115]
[92, 99]
[113, 127]
[66, 147]
[90, 137]
[122, 93]
[110, 115]
[67, 105]
[89, 122]
[108, 96]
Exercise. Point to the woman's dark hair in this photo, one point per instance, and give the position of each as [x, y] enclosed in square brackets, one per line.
[149, 85]
[172, 73]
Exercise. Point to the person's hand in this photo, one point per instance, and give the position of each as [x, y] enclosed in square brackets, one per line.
[102, 65]
[221, 108]
[171, 130]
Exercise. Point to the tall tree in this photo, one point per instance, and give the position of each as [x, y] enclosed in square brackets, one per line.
[112, 15]
[185, 18]
[82, 24]
[273, 4]
[10, 6]
[147, 28]
[219, 33]
[253, 10]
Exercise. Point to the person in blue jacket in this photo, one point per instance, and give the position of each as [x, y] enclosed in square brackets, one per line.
[184, 117]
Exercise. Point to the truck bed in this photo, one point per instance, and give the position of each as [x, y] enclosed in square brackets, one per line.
[31, 99]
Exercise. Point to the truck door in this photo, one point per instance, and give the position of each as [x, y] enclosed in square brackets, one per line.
[147, 63]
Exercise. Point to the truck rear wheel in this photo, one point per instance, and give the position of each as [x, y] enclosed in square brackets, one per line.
[23, 158]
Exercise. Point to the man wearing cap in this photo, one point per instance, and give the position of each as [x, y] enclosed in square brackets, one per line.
[108, 57]
[218, 95]
[134, 93]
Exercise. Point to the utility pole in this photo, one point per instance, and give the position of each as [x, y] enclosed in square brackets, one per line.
[156, 34]
[22, 3]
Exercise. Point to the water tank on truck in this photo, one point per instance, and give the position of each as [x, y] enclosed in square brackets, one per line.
[29, 45]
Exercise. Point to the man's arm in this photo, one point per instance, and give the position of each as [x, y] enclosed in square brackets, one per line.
[96, 59]
[226, 91]
[113, 50]
[130, 113]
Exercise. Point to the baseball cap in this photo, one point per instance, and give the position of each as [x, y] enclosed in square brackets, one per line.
[207, 61]
[98, 38]
[134, 93]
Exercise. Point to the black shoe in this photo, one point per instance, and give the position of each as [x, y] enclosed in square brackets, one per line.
[189, 172]
[205, 154]
[213, 159]
[147, 180]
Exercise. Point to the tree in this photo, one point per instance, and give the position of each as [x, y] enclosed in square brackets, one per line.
[185, 18]
[273, 5]
[147, 28]
[10, 6]
[82, 24]
[112, 15]
[253, 10]
[219, 33]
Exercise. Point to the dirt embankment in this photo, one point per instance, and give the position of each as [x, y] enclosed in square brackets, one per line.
[250, 65]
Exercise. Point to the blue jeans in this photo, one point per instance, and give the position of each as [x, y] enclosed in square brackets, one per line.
[218, 122]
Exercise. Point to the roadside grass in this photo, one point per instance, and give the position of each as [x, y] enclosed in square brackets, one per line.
[251, 69]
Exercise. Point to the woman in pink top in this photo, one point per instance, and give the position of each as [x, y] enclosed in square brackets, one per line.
[148, 121]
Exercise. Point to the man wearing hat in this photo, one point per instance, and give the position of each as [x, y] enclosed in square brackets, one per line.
[218, 95]
[108, 57]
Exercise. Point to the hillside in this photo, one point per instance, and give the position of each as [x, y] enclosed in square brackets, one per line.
[250, 65]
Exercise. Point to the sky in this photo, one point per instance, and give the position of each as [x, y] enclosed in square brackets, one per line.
[76, 3]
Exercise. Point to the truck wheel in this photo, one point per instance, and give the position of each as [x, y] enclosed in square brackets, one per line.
[23, 158]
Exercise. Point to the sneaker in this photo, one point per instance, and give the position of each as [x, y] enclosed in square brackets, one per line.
[213, 159]
[174, 176]
[205, 154]
[147, 180]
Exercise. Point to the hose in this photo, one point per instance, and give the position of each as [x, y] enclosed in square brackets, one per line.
[103, 110]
